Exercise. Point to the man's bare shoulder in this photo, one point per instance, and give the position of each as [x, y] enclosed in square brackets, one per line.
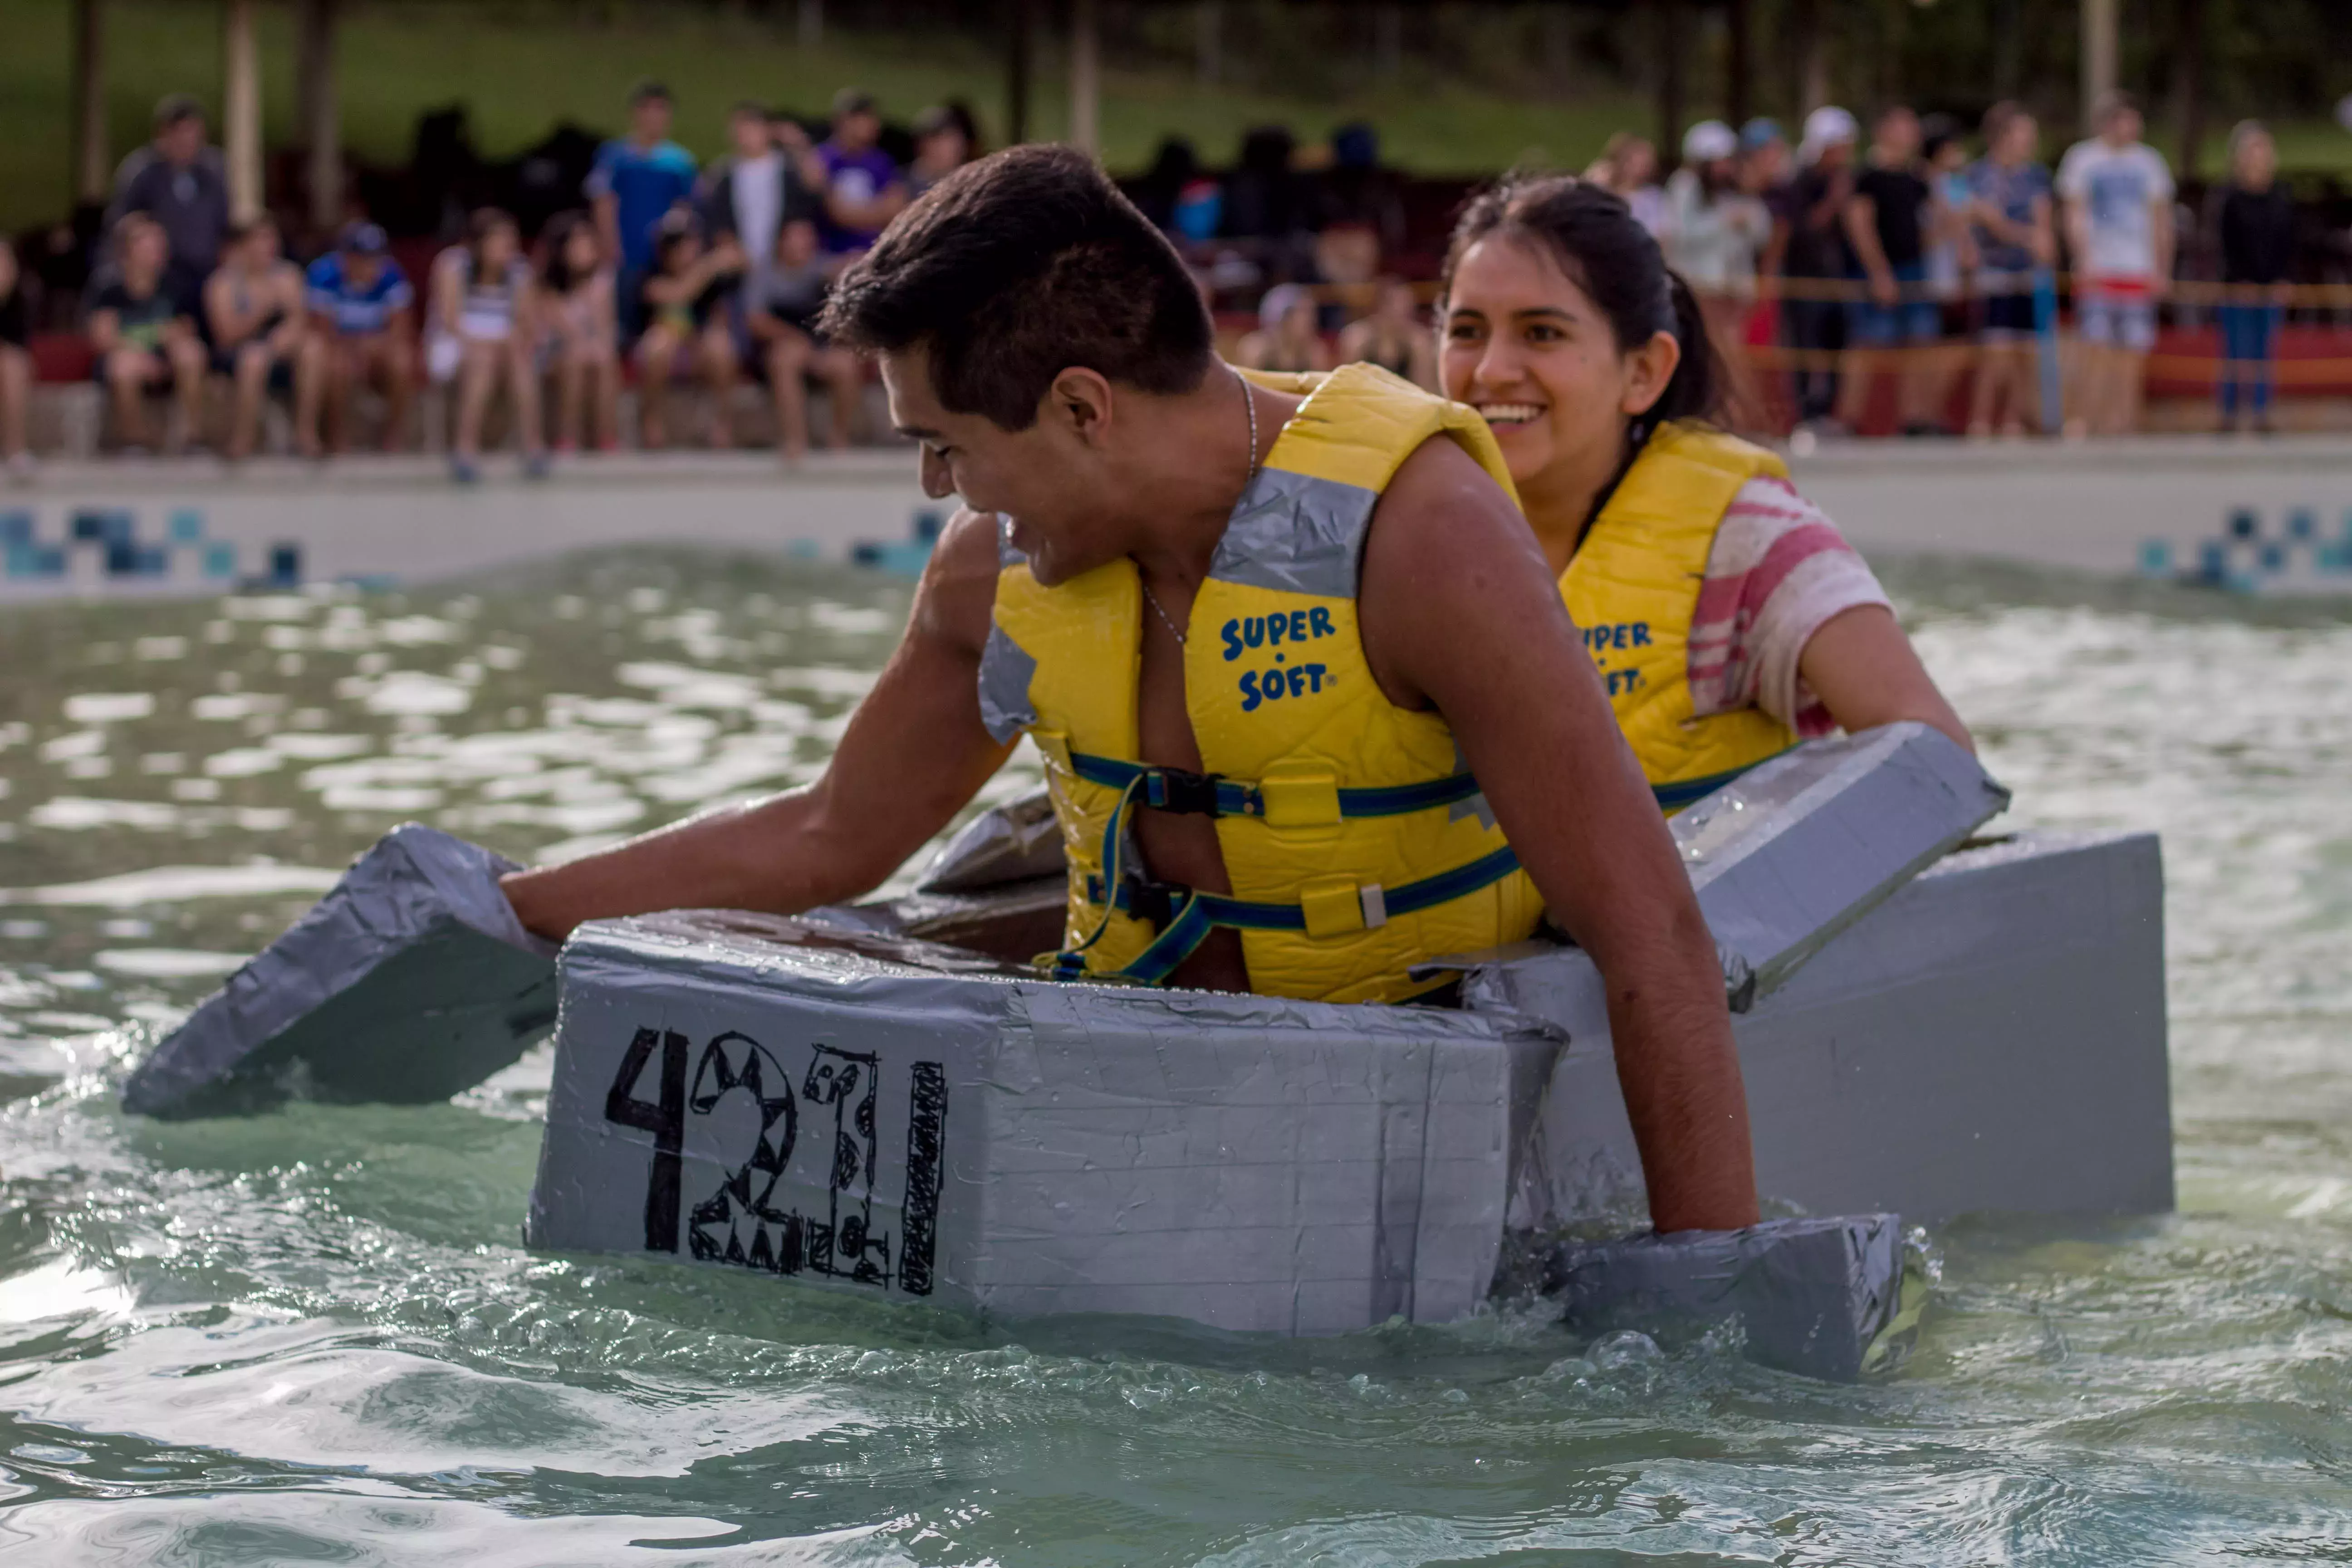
[1450, 559]
[957, 596]
[1444, 512]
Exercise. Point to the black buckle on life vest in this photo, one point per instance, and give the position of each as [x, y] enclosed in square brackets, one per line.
[1154, 901]
[1175, 789]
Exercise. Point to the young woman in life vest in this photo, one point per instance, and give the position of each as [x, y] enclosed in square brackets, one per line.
[1728, 617]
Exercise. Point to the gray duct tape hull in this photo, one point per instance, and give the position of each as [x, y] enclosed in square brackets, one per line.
[411, 981]
[726, 1092]
[1820, 1297]
[1991, 1038]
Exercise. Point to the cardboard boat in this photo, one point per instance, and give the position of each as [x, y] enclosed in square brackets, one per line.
[887, 1100]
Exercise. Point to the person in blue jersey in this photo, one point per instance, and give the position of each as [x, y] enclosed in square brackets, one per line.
[636, 181]
[360, 302]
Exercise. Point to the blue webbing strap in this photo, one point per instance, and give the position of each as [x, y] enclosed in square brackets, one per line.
[1199, 913]
[1213, 796]
[1686, 792]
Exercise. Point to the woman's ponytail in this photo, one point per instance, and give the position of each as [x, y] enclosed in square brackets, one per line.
[1696, 389]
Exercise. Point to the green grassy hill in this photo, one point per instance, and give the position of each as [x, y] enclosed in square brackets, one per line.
[521, 69]
[519, 77]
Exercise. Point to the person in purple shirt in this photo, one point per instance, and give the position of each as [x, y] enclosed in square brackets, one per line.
[862, 187]
[636, 180]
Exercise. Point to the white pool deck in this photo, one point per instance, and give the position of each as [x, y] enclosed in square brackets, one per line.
[147, 526]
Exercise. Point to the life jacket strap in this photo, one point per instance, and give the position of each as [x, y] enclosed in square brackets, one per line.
[1214, 794]
[1689, 792]
[1185, 916]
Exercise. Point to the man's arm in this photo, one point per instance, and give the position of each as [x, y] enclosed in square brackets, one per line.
[1861, 232]
[1461, 613]
[914, 754]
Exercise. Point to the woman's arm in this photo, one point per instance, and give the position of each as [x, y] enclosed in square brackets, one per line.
[447, 292]
[230, 325]
[1866, 674]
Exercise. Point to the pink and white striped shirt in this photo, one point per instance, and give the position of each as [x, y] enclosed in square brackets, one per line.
[1779, 570]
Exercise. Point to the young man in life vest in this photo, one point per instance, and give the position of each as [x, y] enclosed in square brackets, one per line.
[1263, 632]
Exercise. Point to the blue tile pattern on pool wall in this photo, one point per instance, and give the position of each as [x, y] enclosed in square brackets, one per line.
[113, 535]
[2251, 554]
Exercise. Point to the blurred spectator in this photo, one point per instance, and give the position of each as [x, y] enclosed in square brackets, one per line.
[1763, 158]
[1950, 258]
[2012, 235]
[780, 314]
[1810, 235]
[1286, 338]
[481, 335]
[945, 141]
[1359, 214]
[1628, 166]
[1888, 221]
[1174, 165]
[16, 362]
[1393, 336]
[1713, 230]
[1176, 194]
[687, 336]
[636, 180]
[253, 307]
[1945, 155]
[359, 335]
[1266, 210]
[2257, 232]
[2118, 197]
[750, 194]
[181, 183]
[578, 337]
[862, 187]
[145, 336]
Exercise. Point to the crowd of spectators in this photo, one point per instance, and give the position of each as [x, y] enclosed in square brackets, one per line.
[1906, 252]
[665, 274]
[1903, 254]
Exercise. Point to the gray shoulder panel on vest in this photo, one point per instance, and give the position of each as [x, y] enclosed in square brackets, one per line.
[1296, 534]
[1005, 669]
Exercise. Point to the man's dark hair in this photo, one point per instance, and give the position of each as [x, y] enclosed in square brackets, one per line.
[1016, 268]
[174, 109]
[648, 93]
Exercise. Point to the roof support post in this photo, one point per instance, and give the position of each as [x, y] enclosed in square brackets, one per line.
[241, 107]
[91, 171]
[1086, 78]
[321, 113]
[2101, 47]
[1021, 44]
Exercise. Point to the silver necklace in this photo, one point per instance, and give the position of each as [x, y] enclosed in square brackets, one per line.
[1249, 406]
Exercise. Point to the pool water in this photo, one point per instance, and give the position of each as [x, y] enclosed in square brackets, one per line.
[313, 1335]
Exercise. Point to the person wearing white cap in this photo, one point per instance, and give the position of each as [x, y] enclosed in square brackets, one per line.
[1711, 230]
[1286, 337]
[1815, 256]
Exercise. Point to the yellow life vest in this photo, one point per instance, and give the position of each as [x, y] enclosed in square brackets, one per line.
[1355, 841]
[1632, 589]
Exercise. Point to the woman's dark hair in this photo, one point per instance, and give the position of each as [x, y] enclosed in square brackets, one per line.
[557, 274]
[677, 226]
[480, 224]
[1593, 237]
